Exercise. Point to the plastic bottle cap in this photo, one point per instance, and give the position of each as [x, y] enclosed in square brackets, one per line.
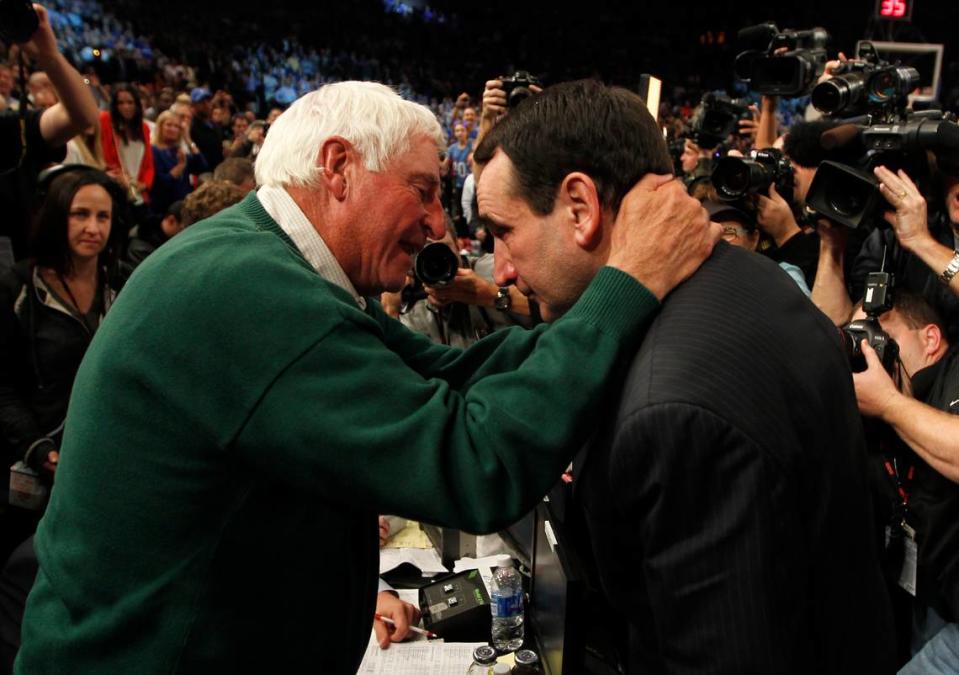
[501, 669]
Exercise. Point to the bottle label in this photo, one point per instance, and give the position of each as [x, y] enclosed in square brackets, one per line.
[506, 606]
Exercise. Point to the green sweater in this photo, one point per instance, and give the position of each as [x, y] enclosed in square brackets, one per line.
[236, 426]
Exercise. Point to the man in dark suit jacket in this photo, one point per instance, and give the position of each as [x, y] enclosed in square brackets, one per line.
[725, 500]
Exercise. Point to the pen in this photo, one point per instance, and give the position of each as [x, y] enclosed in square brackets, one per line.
[428, 633]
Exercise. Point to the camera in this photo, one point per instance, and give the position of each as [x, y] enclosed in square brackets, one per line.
[867, 85]
[435, 265]
[850, 195]
[517, 87]
[878, 301]
[791, 73]
[715, 118]
[735, 177]
[18, 20]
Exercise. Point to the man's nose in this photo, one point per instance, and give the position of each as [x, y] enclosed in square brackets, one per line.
[435, 220]
[503, 271]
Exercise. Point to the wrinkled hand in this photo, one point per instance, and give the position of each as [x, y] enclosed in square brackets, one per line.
[467, 287]
[875, 390]
[384, 530]
[775, 216]
[909, 220]
[662, 235]
[403, 613]
[43, 43]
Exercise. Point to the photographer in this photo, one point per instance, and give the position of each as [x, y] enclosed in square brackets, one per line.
[924, 471]
[45, 133]
[923, 243]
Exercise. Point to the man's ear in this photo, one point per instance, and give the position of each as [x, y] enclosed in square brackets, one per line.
[333, 160]
[932, 341]
[579, 197]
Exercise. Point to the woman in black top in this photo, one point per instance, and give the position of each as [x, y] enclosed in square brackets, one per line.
[50, 306]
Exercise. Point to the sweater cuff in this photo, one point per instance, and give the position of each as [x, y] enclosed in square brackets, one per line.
[616, 303]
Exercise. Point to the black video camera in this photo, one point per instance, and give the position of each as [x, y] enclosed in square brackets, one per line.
[850, 195]
[735, 177]
[517, 87]
[867, 85]
[435, 265]
[715, 118]
[791, 73]
[18, 20]
[878, 301]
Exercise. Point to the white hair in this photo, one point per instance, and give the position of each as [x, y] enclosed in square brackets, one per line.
[371, 116]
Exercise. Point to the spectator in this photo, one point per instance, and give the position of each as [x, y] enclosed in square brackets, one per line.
[209, 199]
[50, 307]
[86, 148]
[203, 131]
[7, 100]
[173, 166]
[126, 144]
[149, 235]
[240, 125]
[238, 171]
[41, 92]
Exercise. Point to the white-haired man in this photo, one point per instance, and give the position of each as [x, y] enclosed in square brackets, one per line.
[232, 436]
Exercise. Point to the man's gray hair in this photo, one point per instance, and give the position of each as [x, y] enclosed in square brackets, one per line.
[371, 116]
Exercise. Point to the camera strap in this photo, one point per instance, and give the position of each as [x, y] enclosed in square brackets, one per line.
[899, 528]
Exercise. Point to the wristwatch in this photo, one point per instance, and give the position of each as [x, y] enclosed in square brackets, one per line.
[503, 300]
[951, 270]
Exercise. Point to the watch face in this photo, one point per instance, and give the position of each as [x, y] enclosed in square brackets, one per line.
[503, 299]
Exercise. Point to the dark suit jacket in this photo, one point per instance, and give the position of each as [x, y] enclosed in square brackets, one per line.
[726, 504]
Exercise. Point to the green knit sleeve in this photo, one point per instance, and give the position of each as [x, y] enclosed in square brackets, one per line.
[352, 422]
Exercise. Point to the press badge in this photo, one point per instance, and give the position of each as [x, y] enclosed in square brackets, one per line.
[907, 577]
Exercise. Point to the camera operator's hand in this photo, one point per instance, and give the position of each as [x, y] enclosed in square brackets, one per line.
[662, 235]
[832, 237]
[750, 127]
[829, 292]
[402, 613]
[77, 109]
[494, 101]
[775, 217]
[467, 287]
[876, 393]
[909, 220]
[43, 43]
[830, 68]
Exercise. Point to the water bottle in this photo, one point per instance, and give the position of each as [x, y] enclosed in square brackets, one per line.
[507, 608]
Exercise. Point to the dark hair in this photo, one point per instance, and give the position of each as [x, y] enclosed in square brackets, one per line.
[50, 244]
[916, 311]
[234, 170]
[604, 132]
[132, 130]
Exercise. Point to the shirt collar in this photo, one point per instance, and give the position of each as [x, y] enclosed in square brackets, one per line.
[280, 206]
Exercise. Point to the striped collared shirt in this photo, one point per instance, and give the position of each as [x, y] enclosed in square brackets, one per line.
[280, 206]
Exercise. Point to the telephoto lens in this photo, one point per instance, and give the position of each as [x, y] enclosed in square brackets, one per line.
[436, 265]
